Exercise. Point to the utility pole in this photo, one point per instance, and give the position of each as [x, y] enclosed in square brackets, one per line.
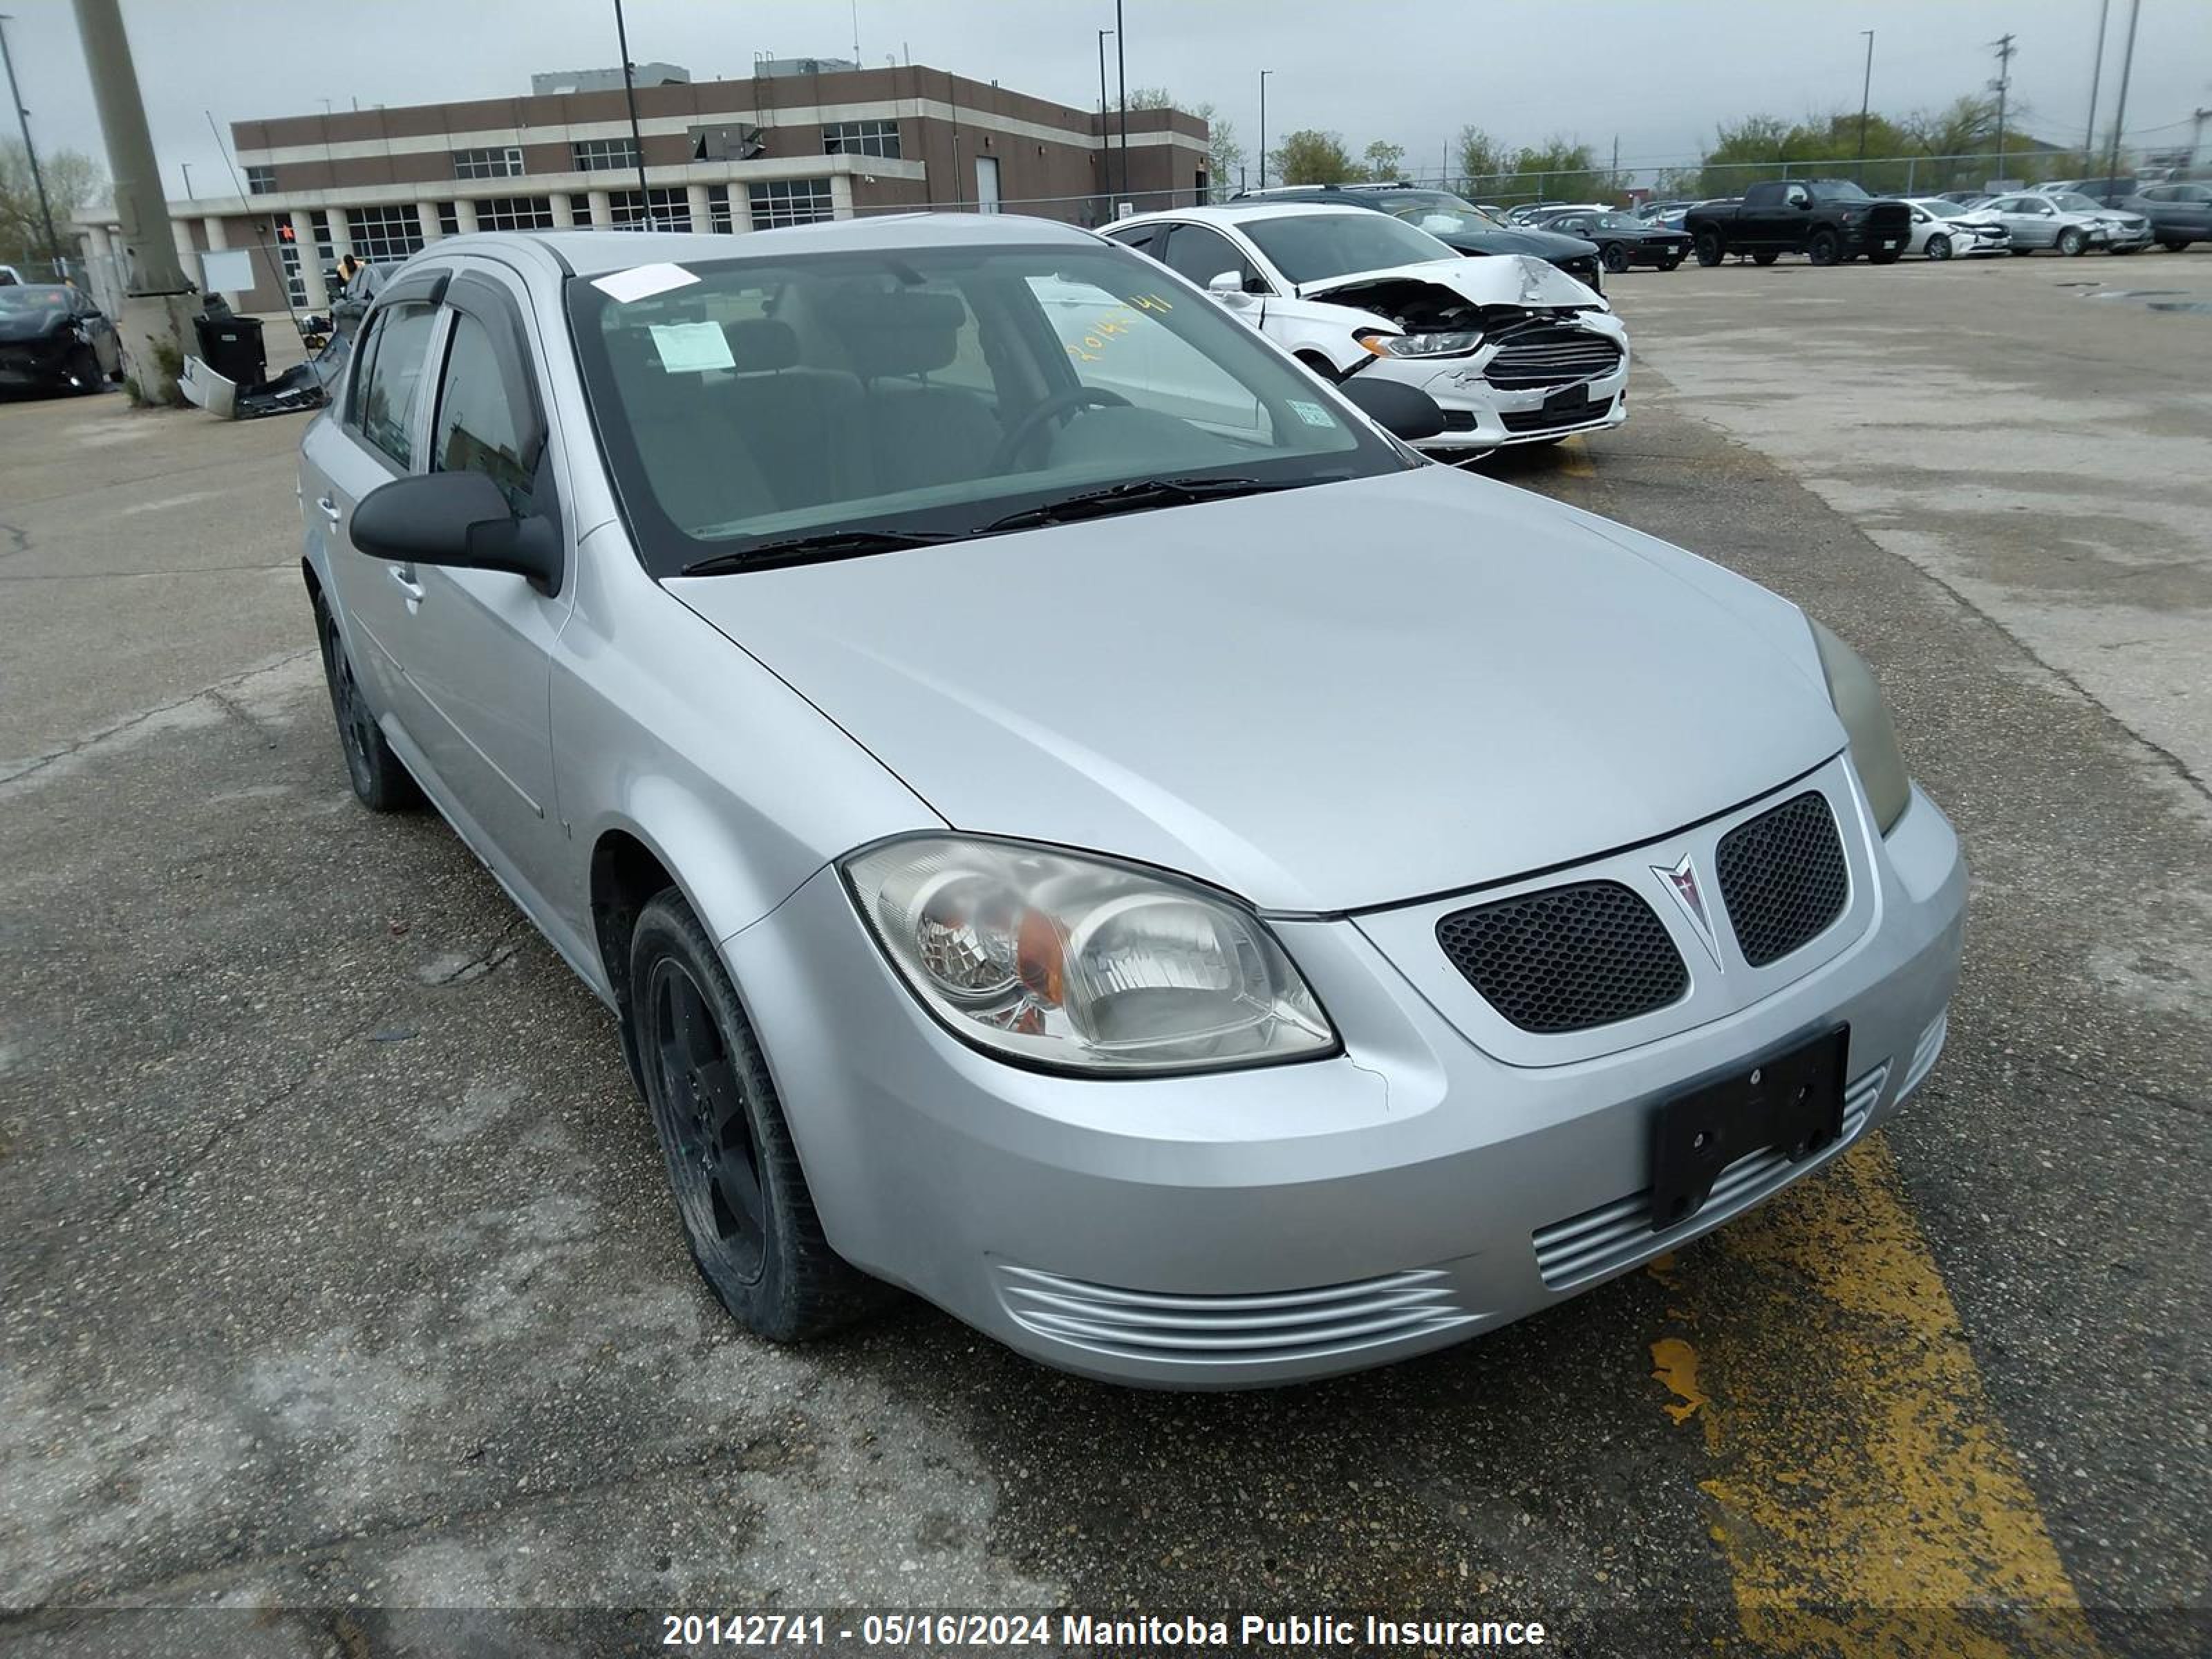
[2004, 47]
[23, 119]
[157, 303]
[637, 138]
[2127, 68]
[1122, 78]
[1105, 153]
[1264, 74]
[2096, 69]
[1866, 102]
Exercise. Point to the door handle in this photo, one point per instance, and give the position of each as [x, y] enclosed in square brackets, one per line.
[330, 508]
[403, 574]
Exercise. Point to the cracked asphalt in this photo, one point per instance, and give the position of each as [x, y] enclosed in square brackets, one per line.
[337, 1274]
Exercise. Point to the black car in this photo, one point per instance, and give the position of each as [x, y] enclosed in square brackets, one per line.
[1459, 224]
[52, 339]
[1622, 240]
[1829, 221]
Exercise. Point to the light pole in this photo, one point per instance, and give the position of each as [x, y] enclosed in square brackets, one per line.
[637, 138]
[2096, 74]
[2120, 112]
[1264, 74]
[1865, 99]
[1122, 80]
[23, 119]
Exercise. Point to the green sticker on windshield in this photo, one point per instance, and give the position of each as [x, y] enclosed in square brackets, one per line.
[1313, 414]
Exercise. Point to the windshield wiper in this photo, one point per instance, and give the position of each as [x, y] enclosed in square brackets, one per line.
[823, 544]
[1140, 493]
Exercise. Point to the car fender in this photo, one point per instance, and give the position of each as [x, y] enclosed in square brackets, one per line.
[1331, 331]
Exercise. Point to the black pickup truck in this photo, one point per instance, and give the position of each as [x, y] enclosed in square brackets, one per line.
[1827, 220]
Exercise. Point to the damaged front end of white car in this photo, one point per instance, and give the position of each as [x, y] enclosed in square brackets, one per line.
[1513, 349]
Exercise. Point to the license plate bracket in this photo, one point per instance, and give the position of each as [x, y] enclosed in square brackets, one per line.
[1791, 1102]
[1568, 399]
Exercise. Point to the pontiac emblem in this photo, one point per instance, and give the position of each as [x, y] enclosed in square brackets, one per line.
[1682, 882]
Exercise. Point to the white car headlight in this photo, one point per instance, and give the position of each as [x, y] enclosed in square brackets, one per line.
[1081, 964]
[1859, 704]
[1457, 343]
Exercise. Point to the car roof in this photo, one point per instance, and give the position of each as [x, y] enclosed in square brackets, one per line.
[1240, 212]
[596, 252]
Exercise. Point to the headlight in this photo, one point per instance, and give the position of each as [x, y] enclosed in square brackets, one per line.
[1865, 715]
[1457, 344]
[1080, 963]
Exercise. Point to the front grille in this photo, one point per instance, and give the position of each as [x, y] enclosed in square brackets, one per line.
[1566, 958]
[1240, 1329]
[1783, 877]
[1548, 420]
[1620, 1234]
[1553, 357]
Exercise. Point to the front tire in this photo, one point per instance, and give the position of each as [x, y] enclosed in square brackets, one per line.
[380, 781]
[2072, 243]
[747, 1215]
[1939, 247]
[1710, 248]
[1825, 249]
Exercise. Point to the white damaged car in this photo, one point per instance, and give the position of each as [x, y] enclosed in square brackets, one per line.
[1513, 349]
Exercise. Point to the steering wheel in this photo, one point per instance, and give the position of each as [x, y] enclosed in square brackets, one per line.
[1061, 402]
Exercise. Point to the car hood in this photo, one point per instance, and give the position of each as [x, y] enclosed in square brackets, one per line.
[1324, 699]
[1541, 244]
[1507, 280]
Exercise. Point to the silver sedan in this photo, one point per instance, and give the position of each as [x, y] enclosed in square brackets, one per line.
[1073, 817]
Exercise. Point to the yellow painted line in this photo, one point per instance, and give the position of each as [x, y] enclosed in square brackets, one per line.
[1862, 1489]
[1575, 460]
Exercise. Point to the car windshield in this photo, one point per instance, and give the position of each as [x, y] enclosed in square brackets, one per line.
[1837, 190]
[1438, 212]
[818, 404]
[36, 296]
[1312, 247]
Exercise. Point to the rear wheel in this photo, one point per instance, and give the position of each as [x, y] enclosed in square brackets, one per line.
[746, 1212]
[380, 781]
[1938, 247]
[1766, 258]
[2072, 243]
[1825, 249]
[1616, 255]
[1711, 249]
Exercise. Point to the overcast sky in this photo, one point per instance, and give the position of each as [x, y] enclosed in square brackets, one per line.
[1655, 74]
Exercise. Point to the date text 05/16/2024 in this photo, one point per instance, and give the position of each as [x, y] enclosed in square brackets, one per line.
[1259, 1631]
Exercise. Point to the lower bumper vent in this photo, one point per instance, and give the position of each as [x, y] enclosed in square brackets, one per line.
[1619, 1235]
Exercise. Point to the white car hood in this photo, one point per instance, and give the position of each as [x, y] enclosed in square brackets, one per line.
[1501, 279]
[1327, 699]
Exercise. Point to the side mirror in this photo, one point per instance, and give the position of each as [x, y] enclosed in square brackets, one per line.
[1403, 412]
[459, 520]
[1228, 287]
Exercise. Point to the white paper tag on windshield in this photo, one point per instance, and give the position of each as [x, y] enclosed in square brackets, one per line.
[1312, 414]
[688, 348]
[640, 282]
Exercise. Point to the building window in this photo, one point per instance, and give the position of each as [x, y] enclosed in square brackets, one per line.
[385, 236]
[861, 138]
[449, 220]
[497, 163]
[789, 202]
[260, 181]
[718, 209]
[660, 210]
[604, 155]
[515, 213]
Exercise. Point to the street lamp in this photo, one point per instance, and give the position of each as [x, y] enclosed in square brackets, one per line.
[1264, 74]
[23, 118]
[1866, 96]
[1105, 156]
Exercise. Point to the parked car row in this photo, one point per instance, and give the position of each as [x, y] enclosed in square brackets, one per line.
[1512, 349]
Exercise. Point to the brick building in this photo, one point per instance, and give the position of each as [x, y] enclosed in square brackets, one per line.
[799, 141]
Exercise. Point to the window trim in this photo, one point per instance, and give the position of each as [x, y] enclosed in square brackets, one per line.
[426, 287]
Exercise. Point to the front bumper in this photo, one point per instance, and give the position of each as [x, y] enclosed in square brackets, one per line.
[1249, 1228]
[39, 364]
[1479, 415]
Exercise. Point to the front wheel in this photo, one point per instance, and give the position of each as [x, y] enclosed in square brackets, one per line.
[1939, 247]
[1711, 249]
[380, 780]
[2072, 243]
[1616, 255]
[742, 1201]
[1825, 249]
